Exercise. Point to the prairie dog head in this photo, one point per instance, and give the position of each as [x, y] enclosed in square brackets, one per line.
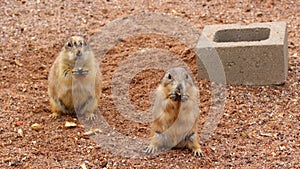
[178, 84]
[76, 49]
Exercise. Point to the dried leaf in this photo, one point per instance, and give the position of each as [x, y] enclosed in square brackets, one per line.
[18, 63]
[295, 55]
[20, 132]
[259, 14]
[294, 100]
[36, 127]
[70, 124]
[266, 134]
[174, 11]
[92, 132]
[243, 134]
[83, 166]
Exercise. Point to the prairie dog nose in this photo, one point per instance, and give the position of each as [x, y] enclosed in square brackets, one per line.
[79, 53]
[179, 89]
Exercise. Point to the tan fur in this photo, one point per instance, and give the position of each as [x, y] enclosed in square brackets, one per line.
[74, 80]
[176, 111]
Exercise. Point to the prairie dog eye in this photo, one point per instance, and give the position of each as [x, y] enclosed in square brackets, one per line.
[169, 76]
[69, 45]
[186, 76]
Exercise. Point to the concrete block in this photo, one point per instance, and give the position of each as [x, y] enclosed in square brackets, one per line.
[254, 54]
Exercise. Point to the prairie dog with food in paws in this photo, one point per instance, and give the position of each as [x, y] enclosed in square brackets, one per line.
[176, 112]
[74, 80]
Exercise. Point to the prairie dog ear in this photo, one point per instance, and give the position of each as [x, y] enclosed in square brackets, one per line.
[84, 40]
[85, 37]
[85, 43]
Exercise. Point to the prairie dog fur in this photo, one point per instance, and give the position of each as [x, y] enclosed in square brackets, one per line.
[74, 80]
[176, 112]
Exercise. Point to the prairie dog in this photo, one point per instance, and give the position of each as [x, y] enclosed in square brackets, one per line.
[74, 80]
[176, 112]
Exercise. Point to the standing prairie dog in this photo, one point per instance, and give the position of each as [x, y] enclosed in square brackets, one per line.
[74, 80]
[176, 112]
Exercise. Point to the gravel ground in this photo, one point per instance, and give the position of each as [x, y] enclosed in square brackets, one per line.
[259, 128]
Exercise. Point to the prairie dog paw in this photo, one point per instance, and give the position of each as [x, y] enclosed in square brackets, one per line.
[91, 116]
[198, 152]
[184, 97]
[151, 149]
[173, 97]
[54, 116]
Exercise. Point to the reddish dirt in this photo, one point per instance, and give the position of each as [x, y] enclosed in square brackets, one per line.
[260, 127]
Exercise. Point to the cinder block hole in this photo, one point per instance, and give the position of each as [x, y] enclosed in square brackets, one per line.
[239, 35]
